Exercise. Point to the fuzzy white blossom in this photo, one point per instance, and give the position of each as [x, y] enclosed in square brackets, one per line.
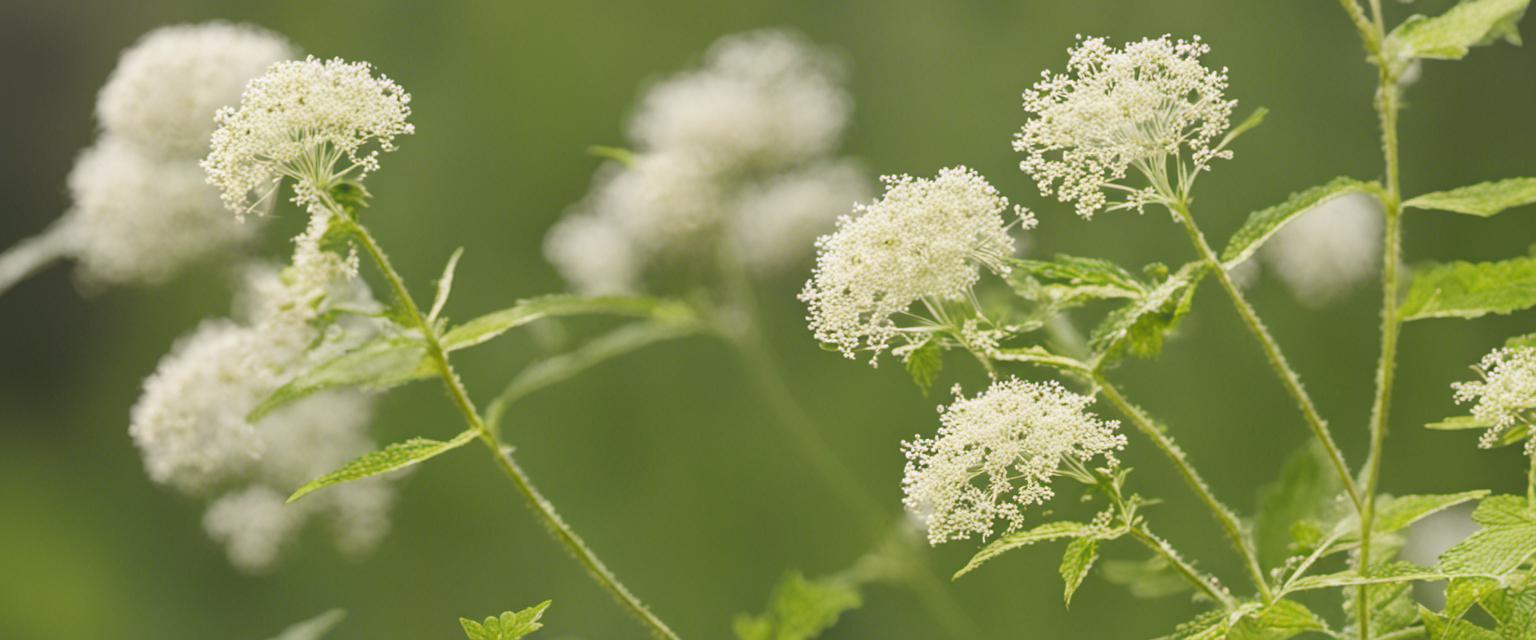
[762, 97]
[1505, 395]
[1327, 251]
[923, 240]
[302, 119]
[166, 87]
[729, 161]
[141, 219]
[1143, 106]
[995, 454]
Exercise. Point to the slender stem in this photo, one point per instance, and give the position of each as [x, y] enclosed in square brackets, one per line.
[536, 501]
[1404, 634]
[1202, 582]
[29, 256]
[1283, 370]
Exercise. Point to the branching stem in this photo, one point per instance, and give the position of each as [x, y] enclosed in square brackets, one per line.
[31, 255]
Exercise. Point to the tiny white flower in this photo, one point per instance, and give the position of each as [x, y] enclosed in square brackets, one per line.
[925, 240]
[1505, 396]
[303, 119]
[779, 219]
[1143, 106]
[1327, 251]
[996, 453]
[167, 86]
[142, 219]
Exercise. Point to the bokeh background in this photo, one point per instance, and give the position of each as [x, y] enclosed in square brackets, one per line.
[667, 460]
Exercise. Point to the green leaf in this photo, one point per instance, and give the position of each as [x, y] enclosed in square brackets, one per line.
[1254, 119]
[1396, 513]
[1211, 625]
[445, 284]
[1350, 578]
[1263, 224]
[1462, 593]
[1282, 620]
[800, 609]
[1146, 579]
[508, 626]
[1485, 199]
[1458, 423]
[924, 364]
[1069, 281]
[1303, 492]
[1471, 289]
[1439, 627]
[618, 154]
[1075, 563]
[1519, 621]
[1451, 35]
[1042, 533]
[314, 628]
[493, 324]
[382, 363]
[1507, 539]
[1140, 327]
[1391, 602]
[395, 456]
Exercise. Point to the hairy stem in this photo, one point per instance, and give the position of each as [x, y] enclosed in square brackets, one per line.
[1288, 376]
[32, 254]
[1204, 583]
[536, 501]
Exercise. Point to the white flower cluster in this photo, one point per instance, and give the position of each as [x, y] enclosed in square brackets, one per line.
[1141, 106]
[1325, 252]
[191, 427]
[924, 240]
[299, 120]
[732, 157]
[996, 453]
[1505, 397]
[142, 210]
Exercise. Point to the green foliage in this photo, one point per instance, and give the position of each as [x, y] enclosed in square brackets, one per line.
[800, 609]
[1070, 281]
[1281, 620]
[1303, 492]
[493, 324]
[1264, 223]
[509, 626]
[314, 628]
[1042, 533]
[1513, 612]
[1391, 603]
[395, 456]
[1439, 627]
[1396, 513]
[1507, 539]
[1458, 423]
[1471, 289]
[924, 364]
[1078, 558]
[1150, 578]
[1527, 340]
[1139, 328]
[445, 284]
[1462, 593]
[1484, 199]
[379, 364]
[1451, 35]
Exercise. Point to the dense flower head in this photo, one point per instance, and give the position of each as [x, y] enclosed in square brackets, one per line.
[996, 453]
[782, 216]
[1505, 396]
[136, 218]
[166, 87]
[1325, 252]
[1142, 106]
[593, 254]
[923, 240]
[301, 119]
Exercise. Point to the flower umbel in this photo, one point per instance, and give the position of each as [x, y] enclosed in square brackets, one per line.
[1505, 397]
[1142, 106]
[300, 120]
[996, 453]
[924, 240]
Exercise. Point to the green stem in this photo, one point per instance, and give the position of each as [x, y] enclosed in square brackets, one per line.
[32, 254]
[1288, 376]
[503, 455]
[1202, 582]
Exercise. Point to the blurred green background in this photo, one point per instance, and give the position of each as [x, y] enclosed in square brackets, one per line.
[667, 461]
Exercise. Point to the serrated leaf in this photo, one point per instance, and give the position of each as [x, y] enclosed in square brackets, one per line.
[1211, 625]
[1519, 620]
[1263, 224]
[1507, 539]
[382, 363]
[1484, 199]
[1282, 620]
[1147, 579]
[1302, 493]
[1462, 593]
[1394, 513]
[1140, 327]
[445, 284]
[1391, 603]
[1449, 36]
[314, 628]
[1069, 281]
[1350, 578]
[508, 626]
[493, 324]
[1042, 533]
[1076, 560]
[1471, 289]
[1439, 627]
[800, 609]
[924, 364]
[395, 456]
